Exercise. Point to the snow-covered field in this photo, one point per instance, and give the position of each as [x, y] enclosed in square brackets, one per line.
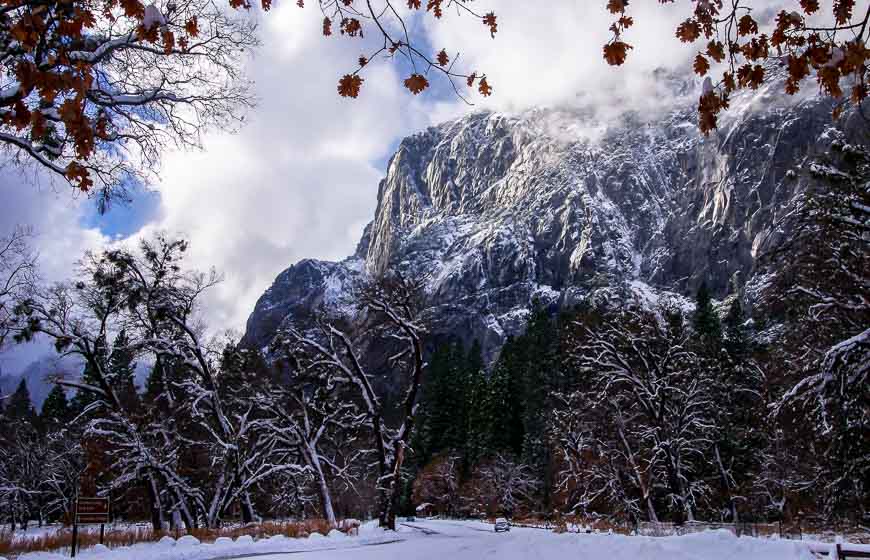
[189, 548]
[460, 540]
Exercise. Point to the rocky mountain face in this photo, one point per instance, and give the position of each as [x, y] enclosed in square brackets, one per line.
[497, 212]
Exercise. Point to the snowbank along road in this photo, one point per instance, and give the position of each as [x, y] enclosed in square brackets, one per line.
[458, 540]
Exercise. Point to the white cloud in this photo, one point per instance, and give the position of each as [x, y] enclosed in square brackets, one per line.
[549, 53]
[31, 199]
[300, 179]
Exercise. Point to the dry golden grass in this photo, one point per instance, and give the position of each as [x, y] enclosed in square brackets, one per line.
[14, 545]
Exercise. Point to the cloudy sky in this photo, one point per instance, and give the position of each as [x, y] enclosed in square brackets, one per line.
[301, 177]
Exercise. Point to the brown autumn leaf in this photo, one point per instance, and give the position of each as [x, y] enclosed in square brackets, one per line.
[362, 61]
[810, 6]
[168, 41]
[716, 50]
[843, 10]
[616, 6]
[416, 83]
[442, 58]
[616, 52]
[351, 27]
[689, 31]
[191, 27]
[701, 66]
[709, 107]
[484, 88]
[349, 85]
[327, 27]
[490, 21]
[75, 172]
[133, 8]
[434, 6]
[747, 26]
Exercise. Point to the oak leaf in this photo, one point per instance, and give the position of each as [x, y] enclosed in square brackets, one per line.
[484, 88]
[689, 31]
[716, 50]
[616, 52]
[616, 6]
[349, 85]
[416, 83]
[191, 27]
[747, 26]
[490, 21]
[701, 66]
[810, 6]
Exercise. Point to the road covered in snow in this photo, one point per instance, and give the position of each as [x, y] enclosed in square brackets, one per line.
[471, 540]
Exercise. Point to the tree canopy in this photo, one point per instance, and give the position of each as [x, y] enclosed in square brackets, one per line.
[808, 42]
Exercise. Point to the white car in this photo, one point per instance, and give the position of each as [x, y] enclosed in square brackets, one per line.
[501, 524]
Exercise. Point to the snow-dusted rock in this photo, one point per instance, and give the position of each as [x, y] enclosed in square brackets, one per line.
[223, 541]
[336, 534]
[315, 535]
[166, 541]
[494, 211]
[99, 548]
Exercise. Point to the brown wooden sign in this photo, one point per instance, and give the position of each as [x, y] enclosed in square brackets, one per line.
[92, 510]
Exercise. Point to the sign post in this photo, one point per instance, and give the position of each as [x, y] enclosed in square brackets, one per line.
[89, 511]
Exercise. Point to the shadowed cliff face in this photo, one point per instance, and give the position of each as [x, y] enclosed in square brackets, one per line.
[496, 211]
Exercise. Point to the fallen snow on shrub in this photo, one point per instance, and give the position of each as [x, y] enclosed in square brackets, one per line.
[190, 548]
[187, 540]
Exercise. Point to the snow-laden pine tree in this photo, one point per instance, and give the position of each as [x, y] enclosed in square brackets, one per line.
[820, 280]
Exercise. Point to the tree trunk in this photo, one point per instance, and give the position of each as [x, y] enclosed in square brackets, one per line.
[651, 510]
[726, 486]
[247, 508]
[325, 496]
[156, 506]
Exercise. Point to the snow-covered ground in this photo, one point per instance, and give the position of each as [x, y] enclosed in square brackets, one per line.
[462, 540]
[189, 548]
